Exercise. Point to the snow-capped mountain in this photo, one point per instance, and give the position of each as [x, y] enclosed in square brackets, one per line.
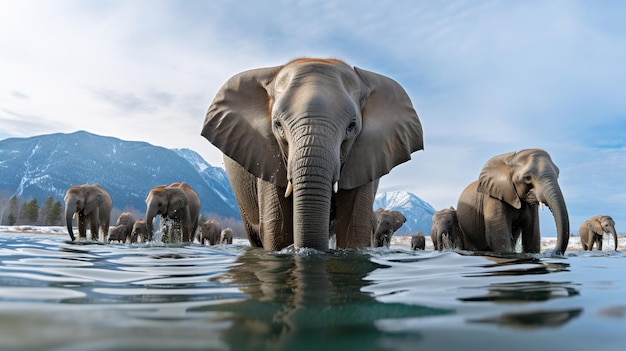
[418, 212]
[46, 165]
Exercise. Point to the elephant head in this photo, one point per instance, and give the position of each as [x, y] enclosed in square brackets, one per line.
[527, 177]
[314, 127]
[387, 223]
[91, 203]
[594, 228]
[170, 202]
[445, 230]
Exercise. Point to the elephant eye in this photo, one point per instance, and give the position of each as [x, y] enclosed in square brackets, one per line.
[527, 179]
[278, 126]
[351, 128]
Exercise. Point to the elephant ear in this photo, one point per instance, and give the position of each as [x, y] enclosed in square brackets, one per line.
[391, 131]
[238, 123]
[495, 180]
[178, 199]
[595, 224]
[399, 220]
[94, 197]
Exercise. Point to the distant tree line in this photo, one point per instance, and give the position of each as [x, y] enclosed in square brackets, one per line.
[15, 211]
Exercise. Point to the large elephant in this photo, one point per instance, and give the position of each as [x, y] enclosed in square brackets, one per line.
[306, 139]
[445, 232]
[123, 228]
[386, 222]
[592, 230]
[90, 202]
[177, 202]
[210, 231]
[503, 203]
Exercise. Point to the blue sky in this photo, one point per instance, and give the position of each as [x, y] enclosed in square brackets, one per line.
[486, 77]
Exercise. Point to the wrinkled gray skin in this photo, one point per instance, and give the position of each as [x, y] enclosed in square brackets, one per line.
[123, 228]
[210, 231]
[177, 202]
[140, 230]
[227, 236]
[445, 231]
[592, 230]
[502, 205]
[306, 139]
[91, 203]
[387, 222]
[418, 241]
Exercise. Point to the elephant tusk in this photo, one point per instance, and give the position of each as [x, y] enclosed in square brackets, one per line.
[542, 205]
[336, 187]
[289, 189]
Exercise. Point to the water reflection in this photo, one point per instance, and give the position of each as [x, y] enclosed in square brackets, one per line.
[306, 299]
[532, 320]
[528, 291]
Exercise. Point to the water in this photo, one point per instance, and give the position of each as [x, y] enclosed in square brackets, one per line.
[57, 295]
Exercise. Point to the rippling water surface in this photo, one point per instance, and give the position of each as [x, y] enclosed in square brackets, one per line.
[57, 295]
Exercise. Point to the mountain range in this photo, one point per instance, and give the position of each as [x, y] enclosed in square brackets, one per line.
[46, 165]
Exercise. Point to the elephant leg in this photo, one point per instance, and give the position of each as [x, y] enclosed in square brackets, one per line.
[244, 186]
[81, 223]
[275, 216]
[355, 218]
[498, 226]
[531, 238]
[599, 239]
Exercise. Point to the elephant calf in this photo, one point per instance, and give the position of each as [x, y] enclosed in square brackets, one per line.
[592, 230]
[226, 236]
[210, 231]
[140, 230]
[418, 241]
[445, 231]
[387, 223]
[123, 228]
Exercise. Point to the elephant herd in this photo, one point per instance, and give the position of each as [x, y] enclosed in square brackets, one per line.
[304, 146]
[177, 204]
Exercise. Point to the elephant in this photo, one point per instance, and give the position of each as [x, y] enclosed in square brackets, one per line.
[387, 222]
[226, 236]
[445, 231]
[140, 230]
[418, 241]
[177, 202]
[591, 231]
[210, 231]
[123, 227]
[90, 202]
[502, 205]
[307, 139]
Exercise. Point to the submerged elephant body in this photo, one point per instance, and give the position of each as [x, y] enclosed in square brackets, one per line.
[592, 230]
[91, 203]
[502, 205]
[307, 139]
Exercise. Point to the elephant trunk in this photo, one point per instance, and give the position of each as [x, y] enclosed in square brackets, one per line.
[556, 203]
[614, 233]
[313, 170]
[69, 214]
